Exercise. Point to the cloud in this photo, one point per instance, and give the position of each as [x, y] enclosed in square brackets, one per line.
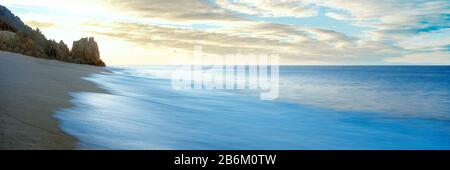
[296, 45]
[338, 16]
[287, 8]
[40, 24]
[422, 58]
[401, 16]
[392, 31]
[418, 28]
[173, 10]
[406, 16]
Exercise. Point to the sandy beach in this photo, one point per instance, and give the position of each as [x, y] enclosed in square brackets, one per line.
[31, 89]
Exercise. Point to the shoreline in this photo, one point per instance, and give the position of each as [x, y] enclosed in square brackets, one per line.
[31, 90]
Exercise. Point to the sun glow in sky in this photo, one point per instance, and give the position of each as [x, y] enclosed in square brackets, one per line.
[301, 32]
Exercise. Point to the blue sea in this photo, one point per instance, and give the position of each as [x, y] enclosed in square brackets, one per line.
[319, 107]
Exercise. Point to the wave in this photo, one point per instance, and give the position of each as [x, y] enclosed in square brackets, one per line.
[319, 108]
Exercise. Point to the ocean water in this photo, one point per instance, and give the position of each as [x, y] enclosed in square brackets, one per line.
[319, 107]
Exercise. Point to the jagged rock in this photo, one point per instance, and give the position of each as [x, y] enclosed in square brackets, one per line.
[87, 50]
[17, 37]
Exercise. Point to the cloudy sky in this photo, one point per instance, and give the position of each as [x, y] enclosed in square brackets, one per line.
[300, 32]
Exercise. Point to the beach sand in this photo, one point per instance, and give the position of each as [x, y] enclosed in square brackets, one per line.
[31, 89]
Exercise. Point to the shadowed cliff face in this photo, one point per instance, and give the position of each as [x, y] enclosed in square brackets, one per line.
[11, 22]
[17, 37]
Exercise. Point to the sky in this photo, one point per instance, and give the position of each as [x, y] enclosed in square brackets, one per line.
[306, 32]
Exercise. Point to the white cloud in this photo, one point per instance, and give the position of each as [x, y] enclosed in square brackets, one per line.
[264, 8]
[410, 16]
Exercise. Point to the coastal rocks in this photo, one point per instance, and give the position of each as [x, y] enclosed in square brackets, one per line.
[86, 50]
[57, 51]
[5, 26]
[17, 37]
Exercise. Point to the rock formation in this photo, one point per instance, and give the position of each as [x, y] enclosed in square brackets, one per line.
[10, 22]
[17, 37]
[86, 50]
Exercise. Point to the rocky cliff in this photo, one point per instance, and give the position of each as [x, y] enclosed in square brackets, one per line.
[17, 37]
[86, 50]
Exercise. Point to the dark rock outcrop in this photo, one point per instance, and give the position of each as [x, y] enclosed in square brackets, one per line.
[9, 21]
[17, 37]
[86, 50]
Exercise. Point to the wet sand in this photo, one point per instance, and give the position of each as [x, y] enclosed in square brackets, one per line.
[31, 89]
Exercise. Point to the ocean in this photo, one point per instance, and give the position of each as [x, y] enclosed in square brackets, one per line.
[319, 107]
